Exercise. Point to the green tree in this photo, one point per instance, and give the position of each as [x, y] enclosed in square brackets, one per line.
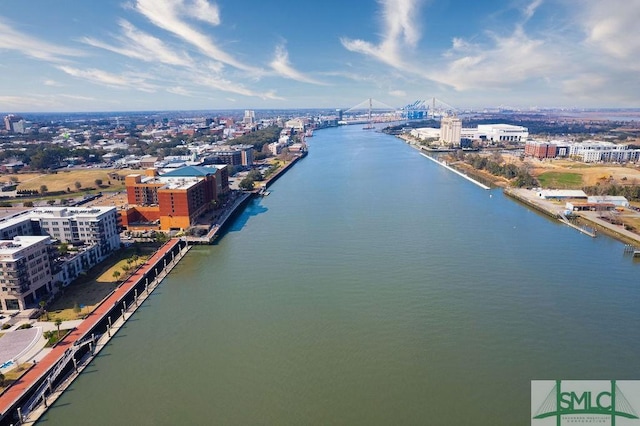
[58, 322]
[78, 185]
[27, 204]
[42, 305]
[2, 378]
[255, 175]
[76, 308]
[63, 248]
[51, 202]
[44, 189]
[116, 275]
[247, 184]
[98, 182]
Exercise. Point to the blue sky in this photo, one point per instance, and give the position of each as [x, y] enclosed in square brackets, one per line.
[108, 55]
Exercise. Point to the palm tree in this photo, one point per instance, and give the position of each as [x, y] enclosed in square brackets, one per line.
[116, 275]
[42, 304]
[57, 323]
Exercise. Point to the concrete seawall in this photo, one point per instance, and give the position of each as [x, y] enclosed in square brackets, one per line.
[282, 171]
[240, 203]
[443, 164]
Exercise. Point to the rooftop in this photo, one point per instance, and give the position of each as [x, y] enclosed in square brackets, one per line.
[10, 247]
[194, 171]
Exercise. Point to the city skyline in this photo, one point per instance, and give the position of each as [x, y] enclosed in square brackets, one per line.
[198, 54]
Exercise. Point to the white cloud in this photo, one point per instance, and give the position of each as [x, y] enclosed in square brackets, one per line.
[531, 8]
[218, 83]
[76, 97]
[37, 102]
[511, 59]
[398, 93]
[167, 14]
[612, 27]
[400, 31]
[52, 83]
[125, 80]
[281, 65]
[203, 10]
[33, 47]
[140, 45]
[179, 90]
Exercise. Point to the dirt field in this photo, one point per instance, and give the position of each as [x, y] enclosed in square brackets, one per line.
[66, 178]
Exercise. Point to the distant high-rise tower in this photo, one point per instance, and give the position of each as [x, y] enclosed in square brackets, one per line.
[14, 123]
[450, 130]
[249, 117]
[339, 112]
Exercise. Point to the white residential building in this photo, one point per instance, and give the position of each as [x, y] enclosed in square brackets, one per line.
[26, 273]
[87, 225]
[91, 232]
[594, 151]
[450, 131]
[249, 117]
[296, 123]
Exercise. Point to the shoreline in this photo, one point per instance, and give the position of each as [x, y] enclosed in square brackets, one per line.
[239, 203]
[546, 207]
[29, 397]
[446, 166]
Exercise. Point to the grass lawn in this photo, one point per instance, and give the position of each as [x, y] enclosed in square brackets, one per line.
[66, 178]
[560, 180]
[86, 292]
[13, 375]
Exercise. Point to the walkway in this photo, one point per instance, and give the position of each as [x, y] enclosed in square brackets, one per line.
[16, 343]
[39, 370]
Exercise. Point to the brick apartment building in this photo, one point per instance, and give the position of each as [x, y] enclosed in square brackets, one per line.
[540, 150]
[174, 200]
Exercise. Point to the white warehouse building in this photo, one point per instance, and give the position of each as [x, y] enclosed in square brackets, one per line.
[502, 133]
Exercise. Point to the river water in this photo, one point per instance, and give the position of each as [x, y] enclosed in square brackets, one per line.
[371, 287]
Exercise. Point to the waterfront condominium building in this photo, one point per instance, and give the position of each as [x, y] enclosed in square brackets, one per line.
[26, 273]
[97, 226]
[74, 225]
[92, 234]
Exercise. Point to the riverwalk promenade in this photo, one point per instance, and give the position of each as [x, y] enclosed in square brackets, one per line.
[27, 398]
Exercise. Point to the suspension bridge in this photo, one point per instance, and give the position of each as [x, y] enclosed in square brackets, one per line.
[371, 111]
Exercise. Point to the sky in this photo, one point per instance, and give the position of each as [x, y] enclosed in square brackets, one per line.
[132, 55]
